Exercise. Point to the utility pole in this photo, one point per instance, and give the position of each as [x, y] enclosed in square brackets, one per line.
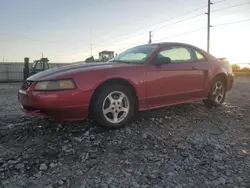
[42, 54]
[208, 25]
[150, 37]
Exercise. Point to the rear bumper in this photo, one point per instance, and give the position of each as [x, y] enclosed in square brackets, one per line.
[60, 105]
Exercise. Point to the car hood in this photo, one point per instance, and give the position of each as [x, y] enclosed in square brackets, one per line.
[74, 67]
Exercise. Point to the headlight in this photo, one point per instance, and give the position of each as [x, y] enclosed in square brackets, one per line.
[55, 85]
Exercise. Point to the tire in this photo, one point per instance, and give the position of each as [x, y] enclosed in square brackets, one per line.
[114, 107]
[216, 95]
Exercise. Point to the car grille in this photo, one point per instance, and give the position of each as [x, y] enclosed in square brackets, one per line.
[26, 85]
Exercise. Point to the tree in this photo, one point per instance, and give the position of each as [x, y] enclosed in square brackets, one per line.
[245, 69]
[235, 68]
[89, 59]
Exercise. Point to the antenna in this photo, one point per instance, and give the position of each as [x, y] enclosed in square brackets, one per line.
[90, 33]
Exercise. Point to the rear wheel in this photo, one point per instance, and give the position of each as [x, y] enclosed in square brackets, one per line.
[216, 95]
[114, 107]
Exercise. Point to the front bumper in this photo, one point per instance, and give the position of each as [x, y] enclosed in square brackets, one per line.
[61, 105]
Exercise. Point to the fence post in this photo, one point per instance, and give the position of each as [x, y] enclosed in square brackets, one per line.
[26, 68]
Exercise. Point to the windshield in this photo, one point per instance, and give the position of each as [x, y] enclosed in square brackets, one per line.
[136, 55]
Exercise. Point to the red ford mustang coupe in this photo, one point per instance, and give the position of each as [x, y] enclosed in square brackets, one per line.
[141, 78]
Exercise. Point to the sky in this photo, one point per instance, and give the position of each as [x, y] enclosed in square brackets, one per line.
[65, 29]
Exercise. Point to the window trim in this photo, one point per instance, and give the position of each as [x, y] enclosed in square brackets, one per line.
[199, 60]
[189, 49]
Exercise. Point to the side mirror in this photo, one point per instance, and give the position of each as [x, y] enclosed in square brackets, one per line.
[162, 60]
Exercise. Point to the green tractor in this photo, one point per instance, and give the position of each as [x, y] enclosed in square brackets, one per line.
[39, 65]
[36, 67]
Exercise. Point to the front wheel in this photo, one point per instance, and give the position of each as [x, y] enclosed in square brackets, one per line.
[114, 107]
[217, 94]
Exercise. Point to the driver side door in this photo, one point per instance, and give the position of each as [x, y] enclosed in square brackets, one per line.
[176, 82]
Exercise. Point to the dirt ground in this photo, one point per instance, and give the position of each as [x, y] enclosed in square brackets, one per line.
[179, 146]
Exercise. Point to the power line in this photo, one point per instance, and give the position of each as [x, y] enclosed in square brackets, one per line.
[202, 29]
[217, 2]
[185, 13]
[196, 9]
[32, 39]
[131, 36]
[182, 34]
[178, 22]
[238, 5]
[229, 23]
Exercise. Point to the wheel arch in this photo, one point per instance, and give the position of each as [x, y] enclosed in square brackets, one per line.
[222, 76]
[110, 81]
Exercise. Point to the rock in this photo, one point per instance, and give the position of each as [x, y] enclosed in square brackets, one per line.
[12, 162]
[152, 176]
[38, 174]
[156, 186]
[53, 165]
[129, 170]
[43, 167]
[5, 182]
[78, 139]
[239, 179]
[97, 180]
[179, 186]
[217, 158]
[92, 137]
[135, 184]
[60, 182]
[230, 181]
[90, 182]
[19, 166]
[144, 135]
[86, 133]
[48, 186]
[104, 185]
[128, 131]
[110, 180]
[168, 117]
[79, 173]
[220, 181]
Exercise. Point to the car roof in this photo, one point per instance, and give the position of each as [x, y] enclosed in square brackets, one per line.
[163, 44]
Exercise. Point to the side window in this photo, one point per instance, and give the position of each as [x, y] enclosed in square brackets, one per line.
[199, 56]
[46, 66]
[39, 66]
[177, 54]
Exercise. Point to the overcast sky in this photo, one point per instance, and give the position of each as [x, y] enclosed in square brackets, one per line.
[61, 28]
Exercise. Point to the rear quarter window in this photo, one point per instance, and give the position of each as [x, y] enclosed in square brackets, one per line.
[199, 55]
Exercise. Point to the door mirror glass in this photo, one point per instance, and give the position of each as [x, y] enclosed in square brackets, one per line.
[162, 60]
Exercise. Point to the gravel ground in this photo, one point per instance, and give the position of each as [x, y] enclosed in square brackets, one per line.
[180, 146]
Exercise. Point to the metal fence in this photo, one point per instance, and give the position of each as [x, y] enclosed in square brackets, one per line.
[13, 72]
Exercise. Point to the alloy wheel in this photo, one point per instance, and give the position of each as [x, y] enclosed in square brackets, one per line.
[116, 107]
[218, 92]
